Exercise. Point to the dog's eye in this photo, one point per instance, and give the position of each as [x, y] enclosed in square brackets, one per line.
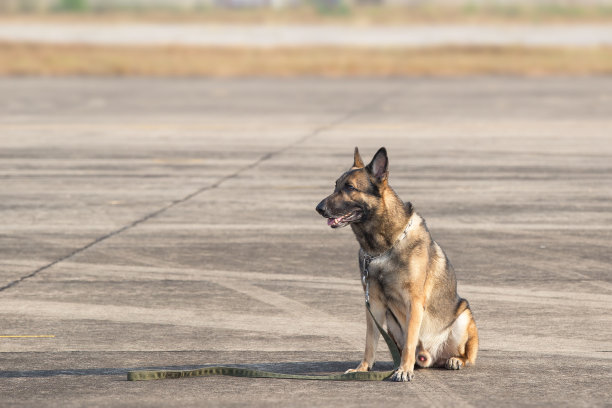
[350, 187]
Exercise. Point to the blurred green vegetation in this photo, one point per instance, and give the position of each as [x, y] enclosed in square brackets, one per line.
[72, 5]
[310, 10]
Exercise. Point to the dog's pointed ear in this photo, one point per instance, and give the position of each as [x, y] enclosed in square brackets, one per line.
[357, 161]
[379, 166]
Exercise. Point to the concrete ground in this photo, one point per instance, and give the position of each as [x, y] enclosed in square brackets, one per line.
[171, 224]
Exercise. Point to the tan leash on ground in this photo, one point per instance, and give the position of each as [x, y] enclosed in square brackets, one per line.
[245, 372]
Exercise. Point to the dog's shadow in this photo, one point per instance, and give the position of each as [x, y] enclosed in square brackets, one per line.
[293, 367]
[314, 367]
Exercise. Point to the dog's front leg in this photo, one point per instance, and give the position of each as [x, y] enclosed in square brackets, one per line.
[372, 335]
[405, 372]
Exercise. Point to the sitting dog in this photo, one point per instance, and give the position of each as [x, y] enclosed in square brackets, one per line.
[407, 278]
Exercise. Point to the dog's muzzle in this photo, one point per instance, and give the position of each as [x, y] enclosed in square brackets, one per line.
[337, 221]
[321, 208]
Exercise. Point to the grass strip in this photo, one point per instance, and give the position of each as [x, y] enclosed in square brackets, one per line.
[181, 61]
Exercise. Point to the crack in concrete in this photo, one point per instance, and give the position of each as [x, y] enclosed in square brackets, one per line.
[213, 186]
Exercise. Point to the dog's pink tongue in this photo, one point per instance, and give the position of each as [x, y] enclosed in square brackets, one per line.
[330, 221]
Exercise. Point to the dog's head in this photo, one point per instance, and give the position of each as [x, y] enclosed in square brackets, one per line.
[358, 191]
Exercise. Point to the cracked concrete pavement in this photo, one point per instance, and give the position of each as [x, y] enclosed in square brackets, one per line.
[171, 223]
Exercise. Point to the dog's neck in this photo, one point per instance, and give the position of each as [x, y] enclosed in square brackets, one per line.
[380, 232]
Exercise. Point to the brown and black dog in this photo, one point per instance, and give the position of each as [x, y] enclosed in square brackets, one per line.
[410, 283]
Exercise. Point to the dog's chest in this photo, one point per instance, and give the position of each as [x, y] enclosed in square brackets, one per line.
[384, 273]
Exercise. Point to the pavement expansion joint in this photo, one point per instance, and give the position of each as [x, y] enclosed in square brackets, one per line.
[218, 183]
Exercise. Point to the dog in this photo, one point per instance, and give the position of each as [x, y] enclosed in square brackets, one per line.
[407, 278]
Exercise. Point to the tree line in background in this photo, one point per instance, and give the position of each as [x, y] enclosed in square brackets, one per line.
[494, 7]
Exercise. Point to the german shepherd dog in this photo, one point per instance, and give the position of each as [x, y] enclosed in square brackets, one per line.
[408, 280]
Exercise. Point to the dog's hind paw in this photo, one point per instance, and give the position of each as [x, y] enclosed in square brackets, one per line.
[401, 375]
[454, 363]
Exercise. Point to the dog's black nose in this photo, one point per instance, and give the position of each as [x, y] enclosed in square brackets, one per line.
[321, 208]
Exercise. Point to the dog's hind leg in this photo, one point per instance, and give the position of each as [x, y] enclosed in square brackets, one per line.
[468, 349]
[471, 346]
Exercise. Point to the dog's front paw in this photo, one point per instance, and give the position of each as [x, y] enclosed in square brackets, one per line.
[402, 375]
[454, 363]
[360, 368]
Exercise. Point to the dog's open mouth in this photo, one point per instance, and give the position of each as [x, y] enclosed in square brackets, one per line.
[345, 219]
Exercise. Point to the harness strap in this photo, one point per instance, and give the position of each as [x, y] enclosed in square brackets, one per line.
[246, 372]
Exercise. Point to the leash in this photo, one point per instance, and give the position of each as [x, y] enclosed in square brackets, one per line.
[246, 372]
